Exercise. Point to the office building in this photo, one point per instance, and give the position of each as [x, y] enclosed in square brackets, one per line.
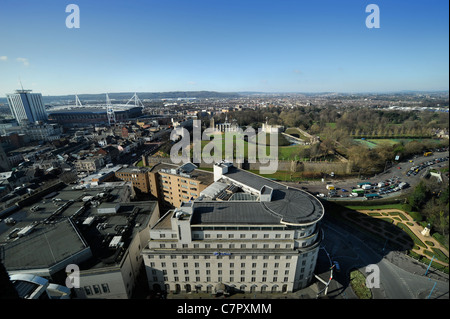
[97, 229]
[244, 232]
[26, 106]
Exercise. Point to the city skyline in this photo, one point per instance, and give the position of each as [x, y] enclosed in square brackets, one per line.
[264, 46]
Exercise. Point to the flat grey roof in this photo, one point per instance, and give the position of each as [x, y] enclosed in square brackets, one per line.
[58, 240]
[232, 212]
[290, 205]
[44, 247]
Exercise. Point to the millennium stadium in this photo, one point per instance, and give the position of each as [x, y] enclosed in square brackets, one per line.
[107, 113]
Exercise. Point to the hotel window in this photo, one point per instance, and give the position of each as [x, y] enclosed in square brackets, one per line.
[105, 288]
[96, 289]
[88, 290]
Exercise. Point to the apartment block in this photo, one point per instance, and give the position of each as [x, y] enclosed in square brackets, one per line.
[175, 184]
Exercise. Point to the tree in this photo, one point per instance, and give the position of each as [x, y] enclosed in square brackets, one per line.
[418, 197]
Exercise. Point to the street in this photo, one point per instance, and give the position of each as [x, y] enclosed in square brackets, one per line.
[400, 276]
[398, 170]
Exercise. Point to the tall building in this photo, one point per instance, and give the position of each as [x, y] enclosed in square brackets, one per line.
[244, 232]
[28, 106]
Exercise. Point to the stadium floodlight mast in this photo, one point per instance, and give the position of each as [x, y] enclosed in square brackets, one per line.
[110, 111]
[137, 101]
[77, 101]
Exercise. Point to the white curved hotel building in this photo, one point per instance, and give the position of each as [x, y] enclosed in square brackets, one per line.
[245, 231]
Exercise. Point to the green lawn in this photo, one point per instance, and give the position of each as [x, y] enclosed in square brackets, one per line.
[358, 283]
[285, 153]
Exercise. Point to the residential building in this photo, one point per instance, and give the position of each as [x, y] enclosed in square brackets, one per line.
[90, 164]
[175, 184]
[137, 176]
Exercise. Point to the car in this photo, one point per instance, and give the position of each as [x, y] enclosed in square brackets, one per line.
[344, 190]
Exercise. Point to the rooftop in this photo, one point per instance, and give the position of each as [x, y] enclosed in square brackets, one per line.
[290, 205]
[185, 170]
[67, 222]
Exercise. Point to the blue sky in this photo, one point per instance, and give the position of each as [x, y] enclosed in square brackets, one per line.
[223, 45]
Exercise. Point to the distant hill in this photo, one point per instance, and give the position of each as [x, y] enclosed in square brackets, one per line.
[143, 95]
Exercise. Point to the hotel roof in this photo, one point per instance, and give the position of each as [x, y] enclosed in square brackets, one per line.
[285, 205]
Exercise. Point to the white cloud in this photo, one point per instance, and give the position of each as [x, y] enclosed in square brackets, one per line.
[24, 61]
[297, 71]
[192, 83]
[3, 58]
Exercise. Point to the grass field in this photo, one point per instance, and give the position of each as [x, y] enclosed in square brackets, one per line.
[285, 153]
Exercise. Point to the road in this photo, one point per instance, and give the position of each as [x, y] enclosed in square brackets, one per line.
[398, 170]
[400, 276]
